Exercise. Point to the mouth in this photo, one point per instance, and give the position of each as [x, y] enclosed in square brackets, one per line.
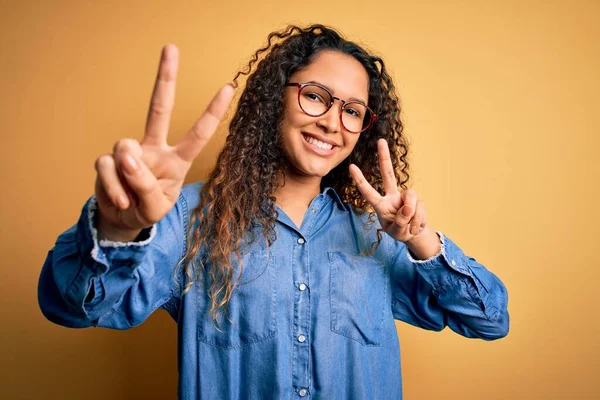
[318, 146]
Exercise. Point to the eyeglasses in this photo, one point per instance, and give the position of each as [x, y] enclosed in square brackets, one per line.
[315, 100]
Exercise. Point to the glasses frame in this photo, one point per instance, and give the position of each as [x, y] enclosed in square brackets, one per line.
[301, 86]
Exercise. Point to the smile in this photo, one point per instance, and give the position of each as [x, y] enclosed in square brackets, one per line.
[318, 146]
[318, 143]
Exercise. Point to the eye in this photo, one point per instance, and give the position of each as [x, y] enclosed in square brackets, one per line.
[353, 112]
[312, 96]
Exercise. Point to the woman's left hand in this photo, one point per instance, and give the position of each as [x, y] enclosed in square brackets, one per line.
[400, 213]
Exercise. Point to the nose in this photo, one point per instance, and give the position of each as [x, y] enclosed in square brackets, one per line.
[330, 122]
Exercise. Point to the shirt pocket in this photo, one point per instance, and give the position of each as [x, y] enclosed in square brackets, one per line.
[358, 292]
[251, 316]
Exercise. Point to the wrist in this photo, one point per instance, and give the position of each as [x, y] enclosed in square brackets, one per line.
[107, 231]
[424, 245]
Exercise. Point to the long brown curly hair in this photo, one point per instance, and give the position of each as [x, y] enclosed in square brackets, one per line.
[237, 200]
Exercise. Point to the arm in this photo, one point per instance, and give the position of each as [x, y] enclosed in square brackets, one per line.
[89, 282]
[447, 289]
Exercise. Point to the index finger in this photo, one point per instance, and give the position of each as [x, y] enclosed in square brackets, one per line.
[195, 140]
[163, 97]
[372, 195]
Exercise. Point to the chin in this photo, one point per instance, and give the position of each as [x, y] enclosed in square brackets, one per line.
[313, 172]
[316, 170]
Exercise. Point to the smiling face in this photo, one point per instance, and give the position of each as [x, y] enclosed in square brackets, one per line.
[315, 145]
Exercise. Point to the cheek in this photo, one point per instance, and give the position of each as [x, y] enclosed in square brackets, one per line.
[298, 120]
[294, 117]
[290, 109]
[287, 123]
[351, 139]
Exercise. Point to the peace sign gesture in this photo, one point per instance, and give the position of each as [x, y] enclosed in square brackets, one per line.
[140, 182]
[400, 213]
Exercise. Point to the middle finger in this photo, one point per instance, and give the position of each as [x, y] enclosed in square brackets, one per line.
[390, 185]
[195, 140]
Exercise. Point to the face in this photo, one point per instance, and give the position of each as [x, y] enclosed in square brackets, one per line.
[315, 145]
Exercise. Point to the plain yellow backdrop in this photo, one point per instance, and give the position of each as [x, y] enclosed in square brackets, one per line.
[501, 106]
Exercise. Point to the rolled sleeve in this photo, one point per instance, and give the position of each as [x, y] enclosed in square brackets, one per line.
[90, 282]
[449, 288]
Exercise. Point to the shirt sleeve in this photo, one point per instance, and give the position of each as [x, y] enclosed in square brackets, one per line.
[86, 282]
[448, 289]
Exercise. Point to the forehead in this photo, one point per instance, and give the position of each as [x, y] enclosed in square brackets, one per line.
[340, 72]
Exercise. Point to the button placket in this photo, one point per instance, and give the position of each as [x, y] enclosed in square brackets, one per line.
[302, 315]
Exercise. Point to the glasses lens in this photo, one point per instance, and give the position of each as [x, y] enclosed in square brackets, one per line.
[314, 100]
[356, 117]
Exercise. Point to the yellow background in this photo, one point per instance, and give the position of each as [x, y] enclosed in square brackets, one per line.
[501, 105]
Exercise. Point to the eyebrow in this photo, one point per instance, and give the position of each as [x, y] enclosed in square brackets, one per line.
[350, 99]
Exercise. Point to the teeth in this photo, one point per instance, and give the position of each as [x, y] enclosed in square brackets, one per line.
[318, 143]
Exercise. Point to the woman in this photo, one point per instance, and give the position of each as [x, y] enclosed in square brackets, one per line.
[286, 269]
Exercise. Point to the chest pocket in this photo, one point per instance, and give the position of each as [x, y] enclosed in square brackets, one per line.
[358, 293]
[251, 316]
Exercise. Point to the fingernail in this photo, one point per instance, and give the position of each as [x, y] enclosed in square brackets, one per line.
[414, 229]
[405, 210]
[130, 165]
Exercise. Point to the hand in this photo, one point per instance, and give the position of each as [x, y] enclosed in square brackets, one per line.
[400, 213]
[139, 183]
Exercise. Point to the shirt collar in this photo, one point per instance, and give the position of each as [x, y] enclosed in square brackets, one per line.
[332, 193]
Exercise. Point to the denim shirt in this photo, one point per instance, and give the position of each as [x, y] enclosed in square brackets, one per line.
[311, 317]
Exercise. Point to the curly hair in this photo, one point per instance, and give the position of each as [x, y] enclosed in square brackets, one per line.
[237, 199]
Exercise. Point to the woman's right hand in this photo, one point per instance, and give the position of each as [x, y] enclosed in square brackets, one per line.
[139, 183]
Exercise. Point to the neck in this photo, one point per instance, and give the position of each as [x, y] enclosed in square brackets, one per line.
[298, 190]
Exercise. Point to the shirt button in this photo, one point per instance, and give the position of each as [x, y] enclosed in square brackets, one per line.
[302, 286]
[301, 338]
[302, 392]
[313, 210]
[301, 240]
[453, 263]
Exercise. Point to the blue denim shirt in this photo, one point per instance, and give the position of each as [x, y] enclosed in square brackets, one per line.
[312, 316]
